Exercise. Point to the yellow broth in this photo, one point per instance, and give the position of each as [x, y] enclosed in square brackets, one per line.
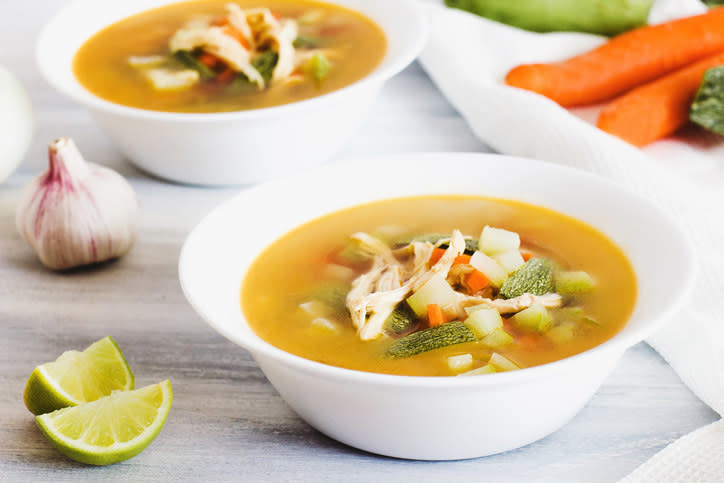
[101, 64]
[286, 273]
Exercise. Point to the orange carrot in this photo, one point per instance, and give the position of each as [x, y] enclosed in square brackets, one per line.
[657, 109]
[226, 76]
[209, 60]
[237, 34]
[526, 256]
[462, 259]
[220, 22]
[625, 61]
[437, 254]
[476, 280]
[435, 316]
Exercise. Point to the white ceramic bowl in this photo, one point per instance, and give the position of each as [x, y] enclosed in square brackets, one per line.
[461, 417]
[237, 147]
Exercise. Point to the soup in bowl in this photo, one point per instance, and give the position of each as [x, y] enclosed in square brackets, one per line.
[592, 287]
[220, 93]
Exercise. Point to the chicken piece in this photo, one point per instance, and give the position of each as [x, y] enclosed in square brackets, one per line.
[171, 80]
[457, 246]
[237, 19]
[510, 306]
[277, 35]
[214, 40]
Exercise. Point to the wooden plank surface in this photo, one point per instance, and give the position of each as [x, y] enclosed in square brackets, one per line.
[227, 422]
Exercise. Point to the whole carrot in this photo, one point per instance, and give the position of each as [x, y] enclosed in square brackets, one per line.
[657, 109]
[624, 62]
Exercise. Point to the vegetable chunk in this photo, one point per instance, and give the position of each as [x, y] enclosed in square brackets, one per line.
[707, 110]
[535, 277]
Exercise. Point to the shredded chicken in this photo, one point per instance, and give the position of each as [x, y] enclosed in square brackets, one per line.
[511, 306]
[374, 295]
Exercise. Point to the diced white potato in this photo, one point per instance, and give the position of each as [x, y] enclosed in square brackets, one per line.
[490, 268]
[484, 321]
[322, 325]
[460, 363]
[561, 333]
[170, 80]
[146, 60]
[486, 369]
[338, 272]
[496, 240]
[314, 308]
[434, 291]
[510, 261]
[502, 363]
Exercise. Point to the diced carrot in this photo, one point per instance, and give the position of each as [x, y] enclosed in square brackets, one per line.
[437, 254]
[462, 259]
[526, 256]
[528, 341]
[226, 76]
[626, 61]
[209, 60]
[220, 22]
[476, 280]
[232, 31]
[657, 109]
[435, 316]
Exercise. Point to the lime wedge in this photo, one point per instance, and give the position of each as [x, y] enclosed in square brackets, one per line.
[111, 429]
[78, 377]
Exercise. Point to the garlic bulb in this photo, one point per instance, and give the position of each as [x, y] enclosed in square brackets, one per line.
[77, 213]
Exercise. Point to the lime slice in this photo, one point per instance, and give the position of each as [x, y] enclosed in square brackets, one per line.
[78, 377]
[111, 429]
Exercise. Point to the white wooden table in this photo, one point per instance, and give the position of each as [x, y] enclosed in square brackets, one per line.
[227, 422]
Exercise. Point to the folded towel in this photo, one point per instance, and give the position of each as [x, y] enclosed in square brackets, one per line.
[468, 56]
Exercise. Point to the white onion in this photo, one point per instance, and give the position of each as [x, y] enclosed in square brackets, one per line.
[16, 123]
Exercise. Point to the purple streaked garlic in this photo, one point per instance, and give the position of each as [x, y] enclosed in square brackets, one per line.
[76, 213]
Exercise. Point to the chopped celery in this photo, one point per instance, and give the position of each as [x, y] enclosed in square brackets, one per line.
[308, 42]
[497, 338]
[484, 321]
[502, 363]
[265, 64]
[535, 318]
[490, 268]
[573, 283]
[430, 339]
[561, 333]
[486, 369]
[434, 291]
[510, 261]
[318, 67]
[535, 277]
[401, 320]
[460, 363]
[187, 58]
[497, 240]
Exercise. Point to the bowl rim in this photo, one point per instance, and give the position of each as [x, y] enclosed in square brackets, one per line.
[388, 67]
[611, 348]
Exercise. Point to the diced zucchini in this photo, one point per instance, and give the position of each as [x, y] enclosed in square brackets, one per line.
[430, 339]
[401, 320]
[535, 318]
[333, 295]
[510, 261]
[497, 338]
[561, 333]
[497, 240]
[707, 110]
[484, 321]
[573, 283]
[535, 277]
[486, 369]
[460, 363]
[434, 291]
[502, 363]
[573, 314]
[490, 268]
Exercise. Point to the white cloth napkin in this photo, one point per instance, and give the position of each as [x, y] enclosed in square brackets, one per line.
[468, 56]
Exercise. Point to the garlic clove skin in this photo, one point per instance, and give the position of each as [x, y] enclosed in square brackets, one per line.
[77, 213]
